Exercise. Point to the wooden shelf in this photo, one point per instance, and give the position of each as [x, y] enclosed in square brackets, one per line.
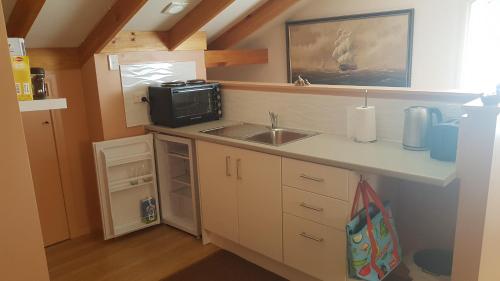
[46, 104]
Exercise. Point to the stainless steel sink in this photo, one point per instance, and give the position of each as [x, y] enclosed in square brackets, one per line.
[260, 134]
[278, 136]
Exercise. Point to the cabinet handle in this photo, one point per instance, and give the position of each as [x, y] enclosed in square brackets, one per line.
[304, 176]
[238, 169]
[228, 163]
[307, 206]
[312, 237]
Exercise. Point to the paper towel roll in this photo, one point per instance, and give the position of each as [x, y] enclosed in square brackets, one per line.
[364, 127]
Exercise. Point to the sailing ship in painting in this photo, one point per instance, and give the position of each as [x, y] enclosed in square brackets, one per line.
[342, 52]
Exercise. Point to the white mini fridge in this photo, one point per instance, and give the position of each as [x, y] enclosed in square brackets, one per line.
[147, 180]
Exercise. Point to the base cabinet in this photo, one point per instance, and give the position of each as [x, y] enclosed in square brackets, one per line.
[241, 196]
[288, 210]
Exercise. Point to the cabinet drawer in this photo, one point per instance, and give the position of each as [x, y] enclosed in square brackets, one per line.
[318, 208]
[315, 249]
[316, 178]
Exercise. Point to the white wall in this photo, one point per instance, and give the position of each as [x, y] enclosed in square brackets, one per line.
[322, 113]
[439, 33]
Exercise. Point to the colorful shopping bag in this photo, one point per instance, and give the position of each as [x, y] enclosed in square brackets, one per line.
[372, 242]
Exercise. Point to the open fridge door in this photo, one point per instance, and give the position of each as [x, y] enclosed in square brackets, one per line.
[127, 184]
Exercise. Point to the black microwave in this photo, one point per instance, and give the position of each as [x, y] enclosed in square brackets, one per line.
[176, 106]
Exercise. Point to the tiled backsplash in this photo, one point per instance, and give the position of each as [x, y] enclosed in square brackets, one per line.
[327, 114]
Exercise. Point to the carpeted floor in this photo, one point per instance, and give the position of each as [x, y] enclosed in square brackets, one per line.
[222, 266]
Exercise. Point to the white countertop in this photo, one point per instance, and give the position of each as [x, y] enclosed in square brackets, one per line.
[380, 158]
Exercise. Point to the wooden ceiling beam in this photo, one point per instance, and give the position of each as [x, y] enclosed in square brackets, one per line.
[194, 20]
[222, 58]
[142, 41]
[23, 16]
[248, 25]
[109, 26]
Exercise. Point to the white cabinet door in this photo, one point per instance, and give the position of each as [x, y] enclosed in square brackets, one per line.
[126, 177]
[216, 175]
[259, 202]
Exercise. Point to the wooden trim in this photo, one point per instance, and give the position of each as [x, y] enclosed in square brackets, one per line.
[194, 20]
[255, 20]
[235, 57]
[452, 96]
[54, 58]
[109, 26]
[23, 16]
[152, 41]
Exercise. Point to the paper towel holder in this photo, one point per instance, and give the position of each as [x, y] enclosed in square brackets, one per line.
[365, 131]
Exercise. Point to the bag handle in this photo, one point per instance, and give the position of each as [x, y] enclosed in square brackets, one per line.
[370, 231]
[378, 203]
[365, 191]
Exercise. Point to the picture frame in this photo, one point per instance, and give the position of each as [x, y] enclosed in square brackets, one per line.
[373, 49]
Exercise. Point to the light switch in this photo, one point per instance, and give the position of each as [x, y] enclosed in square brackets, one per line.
[113, 63]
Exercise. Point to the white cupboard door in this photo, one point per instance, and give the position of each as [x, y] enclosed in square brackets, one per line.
[126, 177]
[216, 175]
[259, 202]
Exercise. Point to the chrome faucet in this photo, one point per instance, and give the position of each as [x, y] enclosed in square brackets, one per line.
[274, 120]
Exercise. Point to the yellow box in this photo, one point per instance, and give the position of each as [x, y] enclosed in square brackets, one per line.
[22, 77]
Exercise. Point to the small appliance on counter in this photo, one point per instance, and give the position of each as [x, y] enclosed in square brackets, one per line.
[443, 141]
[175, 104]
[417, 127]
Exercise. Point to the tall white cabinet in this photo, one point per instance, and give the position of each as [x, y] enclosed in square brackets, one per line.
[152, 168]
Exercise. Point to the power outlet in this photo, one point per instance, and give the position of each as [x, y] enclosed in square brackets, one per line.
[113, 63]
[138, 99]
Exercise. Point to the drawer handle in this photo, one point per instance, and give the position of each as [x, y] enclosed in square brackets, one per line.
[304, 176]
[307, 206]
[312, 237]
[238, 169]
[228, 163]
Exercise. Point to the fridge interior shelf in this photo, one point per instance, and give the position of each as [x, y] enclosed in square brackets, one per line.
[178, 155]
[134, 226]
[116, 161]
[131, 183]
[184, 192]
[183, 179]
[144, 178]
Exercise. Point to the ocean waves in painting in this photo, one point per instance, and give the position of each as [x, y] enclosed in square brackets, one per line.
[383, 78]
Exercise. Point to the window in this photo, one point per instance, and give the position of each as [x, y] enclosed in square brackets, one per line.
[481, 68]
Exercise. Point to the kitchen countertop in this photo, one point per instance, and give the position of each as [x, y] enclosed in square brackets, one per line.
[380, 158]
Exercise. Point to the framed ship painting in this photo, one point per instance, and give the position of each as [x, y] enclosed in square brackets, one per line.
[361, 50]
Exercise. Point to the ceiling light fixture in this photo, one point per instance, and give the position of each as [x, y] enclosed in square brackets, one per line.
[175, 7]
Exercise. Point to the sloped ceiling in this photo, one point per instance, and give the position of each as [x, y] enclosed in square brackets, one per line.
[231, 15]
[150, 18]
[66, 23]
